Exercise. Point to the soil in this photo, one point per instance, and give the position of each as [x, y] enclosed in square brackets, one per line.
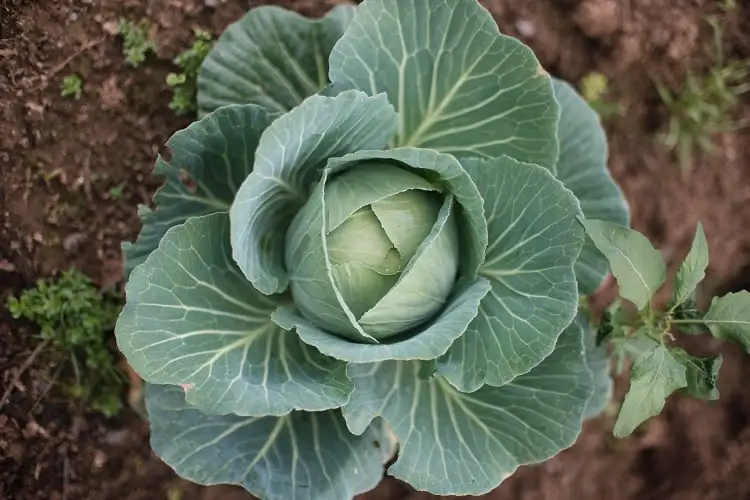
[60, 159]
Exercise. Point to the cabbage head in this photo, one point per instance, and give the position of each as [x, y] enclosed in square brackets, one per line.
[368, 250]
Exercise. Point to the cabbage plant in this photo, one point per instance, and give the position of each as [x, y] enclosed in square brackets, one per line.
[368, 251]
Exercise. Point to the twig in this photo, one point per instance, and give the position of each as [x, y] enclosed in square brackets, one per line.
[47, 387]
[45, 78]
[66, 473]
[25, 366]
[86, 46]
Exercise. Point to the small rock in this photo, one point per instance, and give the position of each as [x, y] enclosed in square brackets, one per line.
[100, 458]
[33, 429]
[35, 112]
[72, 242]
[8, 267]
[117, 437]
[598, 18]
[111, 28]
[112, 97]
[525, 28]
[3, 420]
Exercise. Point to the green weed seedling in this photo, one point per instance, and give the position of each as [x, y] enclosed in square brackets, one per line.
[136, 44]
[647, 338]
[75, 317]
[72, 86]
[184, 83]
[705, 104]
[595, 89]
[116, 192]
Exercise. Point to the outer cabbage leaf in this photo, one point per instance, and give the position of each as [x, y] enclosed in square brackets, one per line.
[289, 159]
[215, 154]
[582, 167]
[534, 241]
[271, 57]
[301, 456]
[453, 442]
[459, 86]
[192, 319]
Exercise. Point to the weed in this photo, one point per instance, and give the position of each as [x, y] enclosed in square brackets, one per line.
[595, 89]
[115, 192]
[184, 83]
[136, 44]
[72, 86]
[75, 317]
[704, 105]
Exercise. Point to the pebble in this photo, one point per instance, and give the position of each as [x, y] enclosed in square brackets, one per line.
[72, 242]
[117, 437]
[525, 28]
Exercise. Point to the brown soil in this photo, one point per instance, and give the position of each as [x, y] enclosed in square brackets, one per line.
[59, 158]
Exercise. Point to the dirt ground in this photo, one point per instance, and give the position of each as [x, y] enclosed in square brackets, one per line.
[59, 159]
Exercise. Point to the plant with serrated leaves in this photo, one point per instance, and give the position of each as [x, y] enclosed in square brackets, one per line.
[75, 318]
[647, 338]
[706, 103]
[71, 86]
[135, 41]
[184, 83]
[370, 240]
[595, 89]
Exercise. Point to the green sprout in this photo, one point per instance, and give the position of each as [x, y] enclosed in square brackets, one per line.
[136, 44]
[72, 86]
[75, 318]
[705, 103]
[183, 84]
[115, 192]
[595, 89]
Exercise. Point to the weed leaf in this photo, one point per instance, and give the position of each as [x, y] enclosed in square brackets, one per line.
[702, 374]
[638, 267]
[729, 318]
[693, 268]
[655, 375]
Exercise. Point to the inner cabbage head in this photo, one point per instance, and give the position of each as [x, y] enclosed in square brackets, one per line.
[399, 249]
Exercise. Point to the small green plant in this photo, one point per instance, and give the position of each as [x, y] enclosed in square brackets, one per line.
[183, 84]
[647, 336]
[595, 89]
[72, 86]
[136, 44]
[115, 192]
[75, 317]
[705, 104]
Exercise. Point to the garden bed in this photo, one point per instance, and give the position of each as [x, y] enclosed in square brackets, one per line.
[73, 170]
